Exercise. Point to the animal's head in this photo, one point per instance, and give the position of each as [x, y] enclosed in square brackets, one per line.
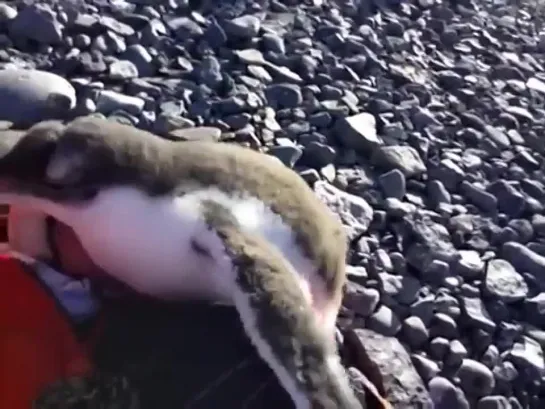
[52, 165]
[24, 156]
[67, 162]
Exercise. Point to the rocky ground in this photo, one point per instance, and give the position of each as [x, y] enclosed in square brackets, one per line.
[421, 123]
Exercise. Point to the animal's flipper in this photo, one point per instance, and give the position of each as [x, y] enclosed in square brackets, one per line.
[280, 321]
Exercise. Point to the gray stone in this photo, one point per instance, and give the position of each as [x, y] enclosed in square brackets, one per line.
[393, 184]
[470, 265]
[283, 95]
[30, 96]
[443, 325]
[404, 158]
[415, 331]
[404, 289]
[493, 402]
[110, 101]
[527, 353]
[384, 321]
[361, 300]
[477, 314]
[288, 155]
[504, 282]
[403, 386]
[475, 378]
[200, 133]
[7, 13]
[439, 348]
[243, 27]
[425, 367]
[445, 395]
[456, 354]
[524, 259]
[355, 213]
[122, 70]
[37, 22]
[479, 197]
[431, 242]
[358, 132]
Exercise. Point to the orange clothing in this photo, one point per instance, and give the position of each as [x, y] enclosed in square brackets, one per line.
[37, 343]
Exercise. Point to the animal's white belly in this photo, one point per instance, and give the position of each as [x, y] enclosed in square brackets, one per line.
[146, 242]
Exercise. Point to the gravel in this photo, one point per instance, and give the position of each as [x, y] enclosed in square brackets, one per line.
[418, 122]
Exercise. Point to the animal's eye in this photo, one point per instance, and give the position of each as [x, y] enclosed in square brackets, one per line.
[64, 167]
[88, 192]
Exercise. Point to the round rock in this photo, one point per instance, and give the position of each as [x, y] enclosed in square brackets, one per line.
[445, 395]
[475, 378]
[30, 96]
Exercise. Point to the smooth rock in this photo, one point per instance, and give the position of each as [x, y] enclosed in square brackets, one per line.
[384, 321]
[475, 378]
[445, 395]
[31, 96]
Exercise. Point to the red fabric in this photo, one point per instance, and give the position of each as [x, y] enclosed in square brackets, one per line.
[37, 343]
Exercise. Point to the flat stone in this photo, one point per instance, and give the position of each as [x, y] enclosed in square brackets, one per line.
[201, 133]
[402, 384]
[477, 314]
[525, 260]
[404, 158]
[110, 101]
[527, 353]
[504, 282]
